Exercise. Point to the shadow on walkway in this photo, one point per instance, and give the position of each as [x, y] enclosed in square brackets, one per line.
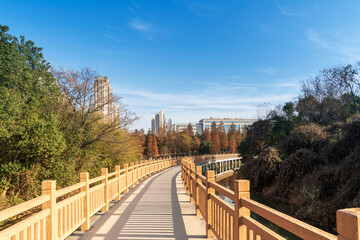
[151, 210]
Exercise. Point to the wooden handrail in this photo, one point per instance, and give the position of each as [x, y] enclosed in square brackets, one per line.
[22, 207]
[52, 222]
[244, 227]
[69, 189]
[97, 179]
[293, 225]
[222, 190]
[259, 229]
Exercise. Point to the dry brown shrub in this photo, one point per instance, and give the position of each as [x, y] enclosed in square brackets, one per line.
[341, 149]
[262, 170]
[310, 136]
[297, 165]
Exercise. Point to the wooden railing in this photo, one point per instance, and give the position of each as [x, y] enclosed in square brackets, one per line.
[233, 222]
[64, 210]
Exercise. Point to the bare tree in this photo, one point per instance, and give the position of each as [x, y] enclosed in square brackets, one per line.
[80, 94]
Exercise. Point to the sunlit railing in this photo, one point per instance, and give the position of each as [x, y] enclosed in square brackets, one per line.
[233, 222]
[64, 210]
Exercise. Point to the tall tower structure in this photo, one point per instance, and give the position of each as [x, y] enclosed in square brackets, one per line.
[104, 101]
[158, 122]
[153, 126]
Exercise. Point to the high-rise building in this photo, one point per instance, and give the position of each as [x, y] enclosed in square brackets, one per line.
[158, 122]
[153, 125]
[206, 124]
[104, 101]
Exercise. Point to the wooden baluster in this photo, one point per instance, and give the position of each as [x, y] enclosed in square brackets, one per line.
[198, 182]
[187, 177]
[141, 170]
[192, 183]
[348, 224]
[117, 170]
[84, 177]
[104, 172]
[49, 187]
[126, 173]
[132, 181]
[210, 177]
[136, 170]
[241, 190]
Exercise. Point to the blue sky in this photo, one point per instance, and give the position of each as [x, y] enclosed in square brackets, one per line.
[193, 59]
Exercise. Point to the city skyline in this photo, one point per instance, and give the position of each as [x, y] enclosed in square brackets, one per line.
[193, 58]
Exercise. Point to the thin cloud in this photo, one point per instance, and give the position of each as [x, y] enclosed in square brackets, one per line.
[217, 99]
[234, 77]
[263, 28]
[140, 25]
[339, 45]
[112, 37]
[285, 11]
[267, 70]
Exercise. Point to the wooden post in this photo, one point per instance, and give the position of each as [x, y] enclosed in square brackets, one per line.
[117, 170]
[348, 224]
[241, 190]
[84, 177]
[49, 187]
[142, 170]
[210, 177]
[126, 167]
[192, 182]
[104, 172]
[198, 182]
[146, 168]
[137, 172]
[132, 174]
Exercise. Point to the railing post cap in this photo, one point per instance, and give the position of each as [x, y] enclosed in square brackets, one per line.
[48, 184]
[84, 175]
[210, 174]
[348, 223]
[104, 170]
[242, 185]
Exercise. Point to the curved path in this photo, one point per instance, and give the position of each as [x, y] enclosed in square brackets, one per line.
[157, 208]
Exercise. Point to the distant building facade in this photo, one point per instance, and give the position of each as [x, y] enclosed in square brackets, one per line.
[179, 127]
[104, 100]
[240, 123]
[158, 122]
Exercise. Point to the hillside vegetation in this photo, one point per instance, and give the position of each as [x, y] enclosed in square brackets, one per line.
[49, 128]
[307, 153]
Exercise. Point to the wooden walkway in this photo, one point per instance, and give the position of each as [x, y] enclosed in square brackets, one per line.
[157, 208]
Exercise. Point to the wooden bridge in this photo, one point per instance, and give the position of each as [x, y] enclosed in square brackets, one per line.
[223, 168]
[147, 200]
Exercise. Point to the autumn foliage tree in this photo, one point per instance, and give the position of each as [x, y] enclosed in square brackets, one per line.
[224, 143]
[206, 136]
[152, 148]
[215, 139]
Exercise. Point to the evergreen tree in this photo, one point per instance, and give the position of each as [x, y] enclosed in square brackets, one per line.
[195, 144]
[154, 147]
[245, 131]
[232, 143]
[206, 136]
[224, 143]
[190, 130]
[238, 137]
[215, 139]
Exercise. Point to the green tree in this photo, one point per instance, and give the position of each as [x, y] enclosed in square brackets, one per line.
[30, 134]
